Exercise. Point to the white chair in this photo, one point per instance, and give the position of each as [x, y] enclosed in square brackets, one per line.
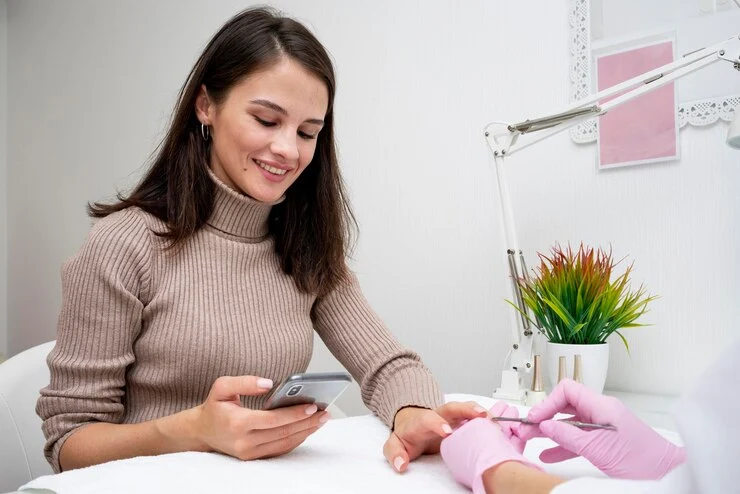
[21, 440]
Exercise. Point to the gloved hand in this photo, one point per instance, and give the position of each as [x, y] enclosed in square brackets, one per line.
[510, 429]
[634, 451]
[480, 444]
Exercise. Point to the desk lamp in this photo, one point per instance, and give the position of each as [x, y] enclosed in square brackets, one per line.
[505, 139]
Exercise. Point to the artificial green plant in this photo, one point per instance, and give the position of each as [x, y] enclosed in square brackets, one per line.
[574, 300]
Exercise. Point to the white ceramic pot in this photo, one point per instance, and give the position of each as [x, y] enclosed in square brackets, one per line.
[594, 363]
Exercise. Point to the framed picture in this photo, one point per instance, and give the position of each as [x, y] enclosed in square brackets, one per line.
[644, 130]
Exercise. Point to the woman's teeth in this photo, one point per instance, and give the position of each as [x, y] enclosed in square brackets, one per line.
[271, 169]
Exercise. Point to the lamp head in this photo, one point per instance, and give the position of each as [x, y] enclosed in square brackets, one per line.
[733, 134]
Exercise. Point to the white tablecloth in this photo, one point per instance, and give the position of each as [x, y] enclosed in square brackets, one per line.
[346, 455]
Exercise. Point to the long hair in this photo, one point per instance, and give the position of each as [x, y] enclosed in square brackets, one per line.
[313, 227]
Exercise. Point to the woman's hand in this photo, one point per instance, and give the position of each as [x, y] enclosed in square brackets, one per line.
[222, 424]
[419, 431]
[633, 451]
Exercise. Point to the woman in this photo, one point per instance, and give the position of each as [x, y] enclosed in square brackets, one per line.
[201, 288]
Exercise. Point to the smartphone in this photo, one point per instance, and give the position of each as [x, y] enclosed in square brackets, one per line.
[321, 388]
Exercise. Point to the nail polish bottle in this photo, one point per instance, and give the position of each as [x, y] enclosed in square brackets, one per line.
[577, 369]
[537, 393]
[562, 370]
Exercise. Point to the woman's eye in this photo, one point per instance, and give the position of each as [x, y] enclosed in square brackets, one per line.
[265, 123]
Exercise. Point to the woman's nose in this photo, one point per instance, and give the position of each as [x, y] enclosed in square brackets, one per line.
[285, 145]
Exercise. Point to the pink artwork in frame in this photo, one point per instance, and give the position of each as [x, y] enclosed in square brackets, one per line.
[645, 129]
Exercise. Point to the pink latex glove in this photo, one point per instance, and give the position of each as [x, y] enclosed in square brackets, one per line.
[480, 444]
[634, 451]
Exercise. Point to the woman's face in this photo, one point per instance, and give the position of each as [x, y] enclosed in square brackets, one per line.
[264, 133]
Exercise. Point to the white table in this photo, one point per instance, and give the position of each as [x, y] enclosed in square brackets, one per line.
[343, 456]
[654, 409]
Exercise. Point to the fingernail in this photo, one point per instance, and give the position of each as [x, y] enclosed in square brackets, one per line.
[447, 429]
[480, 409]
[398, 463]
[310, 410]
[264, 383]
[324, 418]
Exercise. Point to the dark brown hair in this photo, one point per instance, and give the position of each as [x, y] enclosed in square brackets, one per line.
[313, 227]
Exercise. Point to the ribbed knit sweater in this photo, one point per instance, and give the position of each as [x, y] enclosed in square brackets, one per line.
[144, 332]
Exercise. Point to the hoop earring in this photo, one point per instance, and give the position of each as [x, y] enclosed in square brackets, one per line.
[205, 131]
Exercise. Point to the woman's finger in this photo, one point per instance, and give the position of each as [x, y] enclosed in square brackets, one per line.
[272, 419]
[263, 436]
[395, 452]
[277, 447]
[431, 422]
[227, 388]
[457, 411]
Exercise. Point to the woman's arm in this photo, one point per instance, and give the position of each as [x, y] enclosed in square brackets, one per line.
[394, 382]
[105, 288]
[390, 376]
[220, 424]
[512, 477]
[101, 442]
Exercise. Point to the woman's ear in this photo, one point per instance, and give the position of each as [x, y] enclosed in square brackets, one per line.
[203, 106]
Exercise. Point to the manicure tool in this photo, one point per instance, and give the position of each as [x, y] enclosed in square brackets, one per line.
[575, 423]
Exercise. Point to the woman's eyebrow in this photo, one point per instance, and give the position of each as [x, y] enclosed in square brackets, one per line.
[275, 107]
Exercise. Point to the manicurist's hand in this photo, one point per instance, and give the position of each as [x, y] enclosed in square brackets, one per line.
[418, 431]
[222, 424]
[509, 429]
[633, 451]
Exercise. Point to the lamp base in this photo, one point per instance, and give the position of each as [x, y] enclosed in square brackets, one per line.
[510, 389]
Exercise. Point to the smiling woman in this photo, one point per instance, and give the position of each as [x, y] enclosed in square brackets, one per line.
[201, 288]
[262, 88]
[264, 133]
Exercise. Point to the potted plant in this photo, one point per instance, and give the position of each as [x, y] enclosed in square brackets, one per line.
[577, 305]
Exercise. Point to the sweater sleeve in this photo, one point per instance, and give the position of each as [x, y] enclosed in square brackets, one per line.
[390, 376]
[103, 286]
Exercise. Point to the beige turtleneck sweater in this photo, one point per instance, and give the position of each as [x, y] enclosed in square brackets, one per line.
[143, 332]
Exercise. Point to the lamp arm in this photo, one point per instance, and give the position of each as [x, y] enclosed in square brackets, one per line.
[506, 138]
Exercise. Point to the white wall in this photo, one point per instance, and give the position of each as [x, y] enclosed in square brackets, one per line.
[92, 82]
[3, 177]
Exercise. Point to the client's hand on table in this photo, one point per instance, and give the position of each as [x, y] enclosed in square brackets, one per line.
[480, 445]
[633, 451]
[222, 424]
[418, 431]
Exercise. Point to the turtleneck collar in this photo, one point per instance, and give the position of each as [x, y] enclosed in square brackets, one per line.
[238, 214]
